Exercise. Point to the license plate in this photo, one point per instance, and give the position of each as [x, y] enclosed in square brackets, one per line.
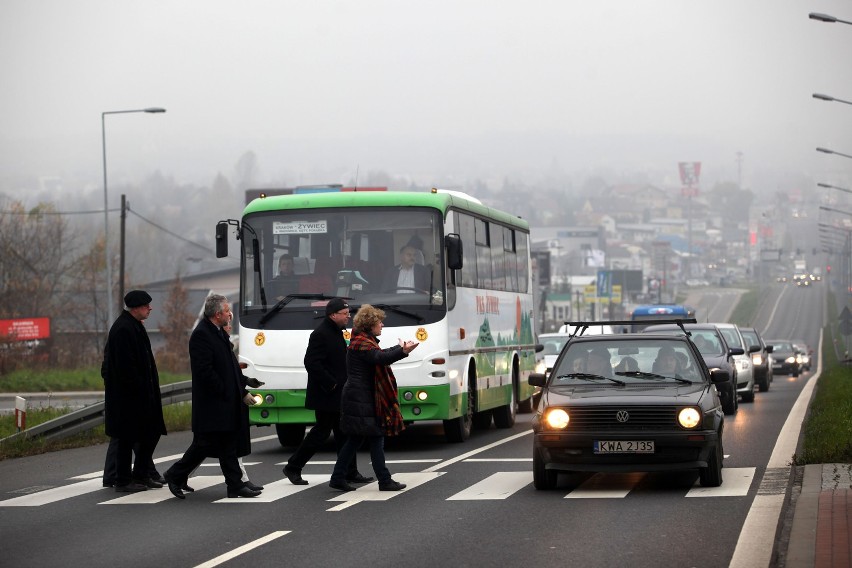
[624, 446]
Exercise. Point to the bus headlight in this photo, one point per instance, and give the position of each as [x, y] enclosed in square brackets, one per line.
[557, 419]
[422, 395]
[257, 398]
[689, 418]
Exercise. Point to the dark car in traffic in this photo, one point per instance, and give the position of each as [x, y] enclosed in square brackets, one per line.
[761, 359]
[715, 351]
[628, 402]
[785, 359]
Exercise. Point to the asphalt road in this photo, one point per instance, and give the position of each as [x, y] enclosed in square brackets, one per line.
[470, 504]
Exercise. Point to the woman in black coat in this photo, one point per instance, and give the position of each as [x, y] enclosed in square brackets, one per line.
[369, 408]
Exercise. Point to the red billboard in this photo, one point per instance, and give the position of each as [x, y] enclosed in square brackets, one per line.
[24, 329]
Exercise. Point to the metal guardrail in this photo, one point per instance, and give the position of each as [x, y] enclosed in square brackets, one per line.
[92, 416]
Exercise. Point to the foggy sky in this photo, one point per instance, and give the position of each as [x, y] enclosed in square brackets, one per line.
[436, 91]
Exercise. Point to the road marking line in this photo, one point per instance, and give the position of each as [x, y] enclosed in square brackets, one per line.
[371, 492]
[464, 456]
[736, 482]
[280, 489]
[500, 485]
[55, 494]
[606, 486]
[153, 496]
[484, 460]
[242, 549]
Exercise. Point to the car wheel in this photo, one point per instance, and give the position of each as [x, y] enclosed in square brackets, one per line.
[748, 396]
[729, 404]
[711, 476]
[543, 478]
[763, 385]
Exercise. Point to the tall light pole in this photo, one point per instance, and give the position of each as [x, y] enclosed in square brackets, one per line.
[106, 204]
[826, 18]
[829, 186]
[827, 151]
[829, 98]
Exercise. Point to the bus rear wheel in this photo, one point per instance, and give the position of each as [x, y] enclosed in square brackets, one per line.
[504, 416]
[290, 435]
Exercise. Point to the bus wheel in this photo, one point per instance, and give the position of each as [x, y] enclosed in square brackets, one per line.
[458, 429]
[482, 420]
[504, 416]
[290, 435]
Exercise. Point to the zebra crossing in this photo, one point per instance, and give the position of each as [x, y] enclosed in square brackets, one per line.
[495, 486]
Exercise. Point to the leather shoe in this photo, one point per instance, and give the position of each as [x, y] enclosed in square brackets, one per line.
[242, 492]
[253, 486]
[109, 484]
[131, 488]
[175, 488]
[187, 488]
[294, 475]
[341, 485]
[149, 483]
[391, 486]
[158, 478]
[358, 478]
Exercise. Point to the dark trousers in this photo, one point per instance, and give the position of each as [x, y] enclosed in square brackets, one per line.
[143, 465]
[377, 455]
[327, 422]
[222, 445]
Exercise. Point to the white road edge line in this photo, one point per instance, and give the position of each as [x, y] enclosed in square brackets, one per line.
[762, 519]
[242, 549]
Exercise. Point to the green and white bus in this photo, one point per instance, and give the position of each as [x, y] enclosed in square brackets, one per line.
[474, 322]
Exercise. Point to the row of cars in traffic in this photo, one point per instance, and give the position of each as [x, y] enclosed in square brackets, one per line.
[648, 400]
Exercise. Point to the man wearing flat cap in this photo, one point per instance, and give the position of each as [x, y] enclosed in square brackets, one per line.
[325, 361]
[133, 408]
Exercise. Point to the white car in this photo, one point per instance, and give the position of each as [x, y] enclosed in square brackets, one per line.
[745, 367]
[553, 344]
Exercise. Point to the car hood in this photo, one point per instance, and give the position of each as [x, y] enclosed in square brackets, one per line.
[642, 394]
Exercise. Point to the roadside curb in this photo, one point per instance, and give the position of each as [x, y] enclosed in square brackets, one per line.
[802, 544]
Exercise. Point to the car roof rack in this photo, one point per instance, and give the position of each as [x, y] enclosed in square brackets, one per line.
[580, 327]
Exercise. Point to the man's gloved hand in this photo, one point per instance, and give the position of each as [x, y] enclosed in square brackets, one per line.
[249, 399]
[254, 383]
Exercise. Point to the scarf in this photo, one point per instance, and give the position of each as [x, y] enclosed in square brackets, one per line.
[386, 394]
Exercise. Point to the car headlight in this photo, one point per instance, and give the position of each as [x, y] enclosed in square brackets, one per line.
[790, 360]
[757, 359]
[557, 418]
[689, 418]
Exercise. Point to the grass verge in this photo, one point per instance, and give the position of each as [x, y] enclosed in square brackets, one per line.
[59, 380]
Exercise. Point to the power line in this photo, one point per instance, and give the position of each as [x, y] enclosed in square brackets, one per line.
[175, 235]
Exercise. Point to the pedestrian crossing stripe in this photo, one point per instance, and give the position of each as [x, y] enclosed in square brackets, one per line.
[497, 486]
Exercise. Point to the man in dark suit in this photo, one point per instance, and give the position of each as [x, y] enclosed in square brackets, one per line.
[325, 361]
[407, 277]
[132, 403]
[219, 403]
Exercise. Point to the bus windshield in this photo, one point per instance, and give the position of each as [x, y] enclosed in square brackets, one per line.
[299, 258]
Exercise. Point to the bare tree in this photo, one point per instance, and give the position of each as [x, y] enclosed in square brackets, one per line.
[174, 356]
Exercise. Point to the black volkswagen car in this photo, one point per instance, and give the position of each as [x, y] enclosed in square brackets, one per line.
[715, 351]
[628, 402]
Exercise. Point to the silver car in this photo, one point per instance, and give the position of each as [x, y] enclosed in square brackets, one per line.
[745, 367]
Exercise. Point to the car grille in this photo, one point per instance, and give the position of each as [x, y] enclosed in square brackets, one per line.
[639, 418]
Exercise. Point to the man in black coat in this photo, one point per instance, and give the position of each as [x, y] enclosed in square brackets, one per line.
[219, 403]
[408, 276]
[325, 361]
[133, 408]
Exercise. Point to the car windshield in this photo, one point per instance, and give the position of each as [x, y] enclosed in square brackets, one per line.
[751, 338]
[781, 346]
[622, 362]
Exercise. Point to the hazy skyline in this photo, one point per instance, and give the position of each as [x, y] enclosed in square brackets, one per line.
[434, 91]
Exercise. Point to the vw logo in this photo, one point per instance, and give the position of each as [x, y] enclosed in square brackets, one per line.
[622, 416]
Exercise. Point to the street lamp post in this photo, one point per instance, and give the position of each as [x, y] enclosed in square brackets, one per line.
[829, 186]
[829, 98]
[826, 18]
[106, 203]
[827, 151]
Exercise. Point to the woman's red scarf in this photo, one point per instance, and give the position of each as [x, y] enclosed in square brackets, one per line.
[387, 397]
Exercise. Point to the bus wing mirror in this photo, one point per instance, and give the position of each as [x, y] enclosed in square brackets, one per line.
[455, 256]
[221, 239]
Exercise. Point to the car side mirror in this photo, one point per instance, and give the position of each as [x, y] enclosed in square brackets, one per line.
[720, 376]
[769, 348]
[537, 379]
[539, 347]
[753, 348]
[736, 350]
